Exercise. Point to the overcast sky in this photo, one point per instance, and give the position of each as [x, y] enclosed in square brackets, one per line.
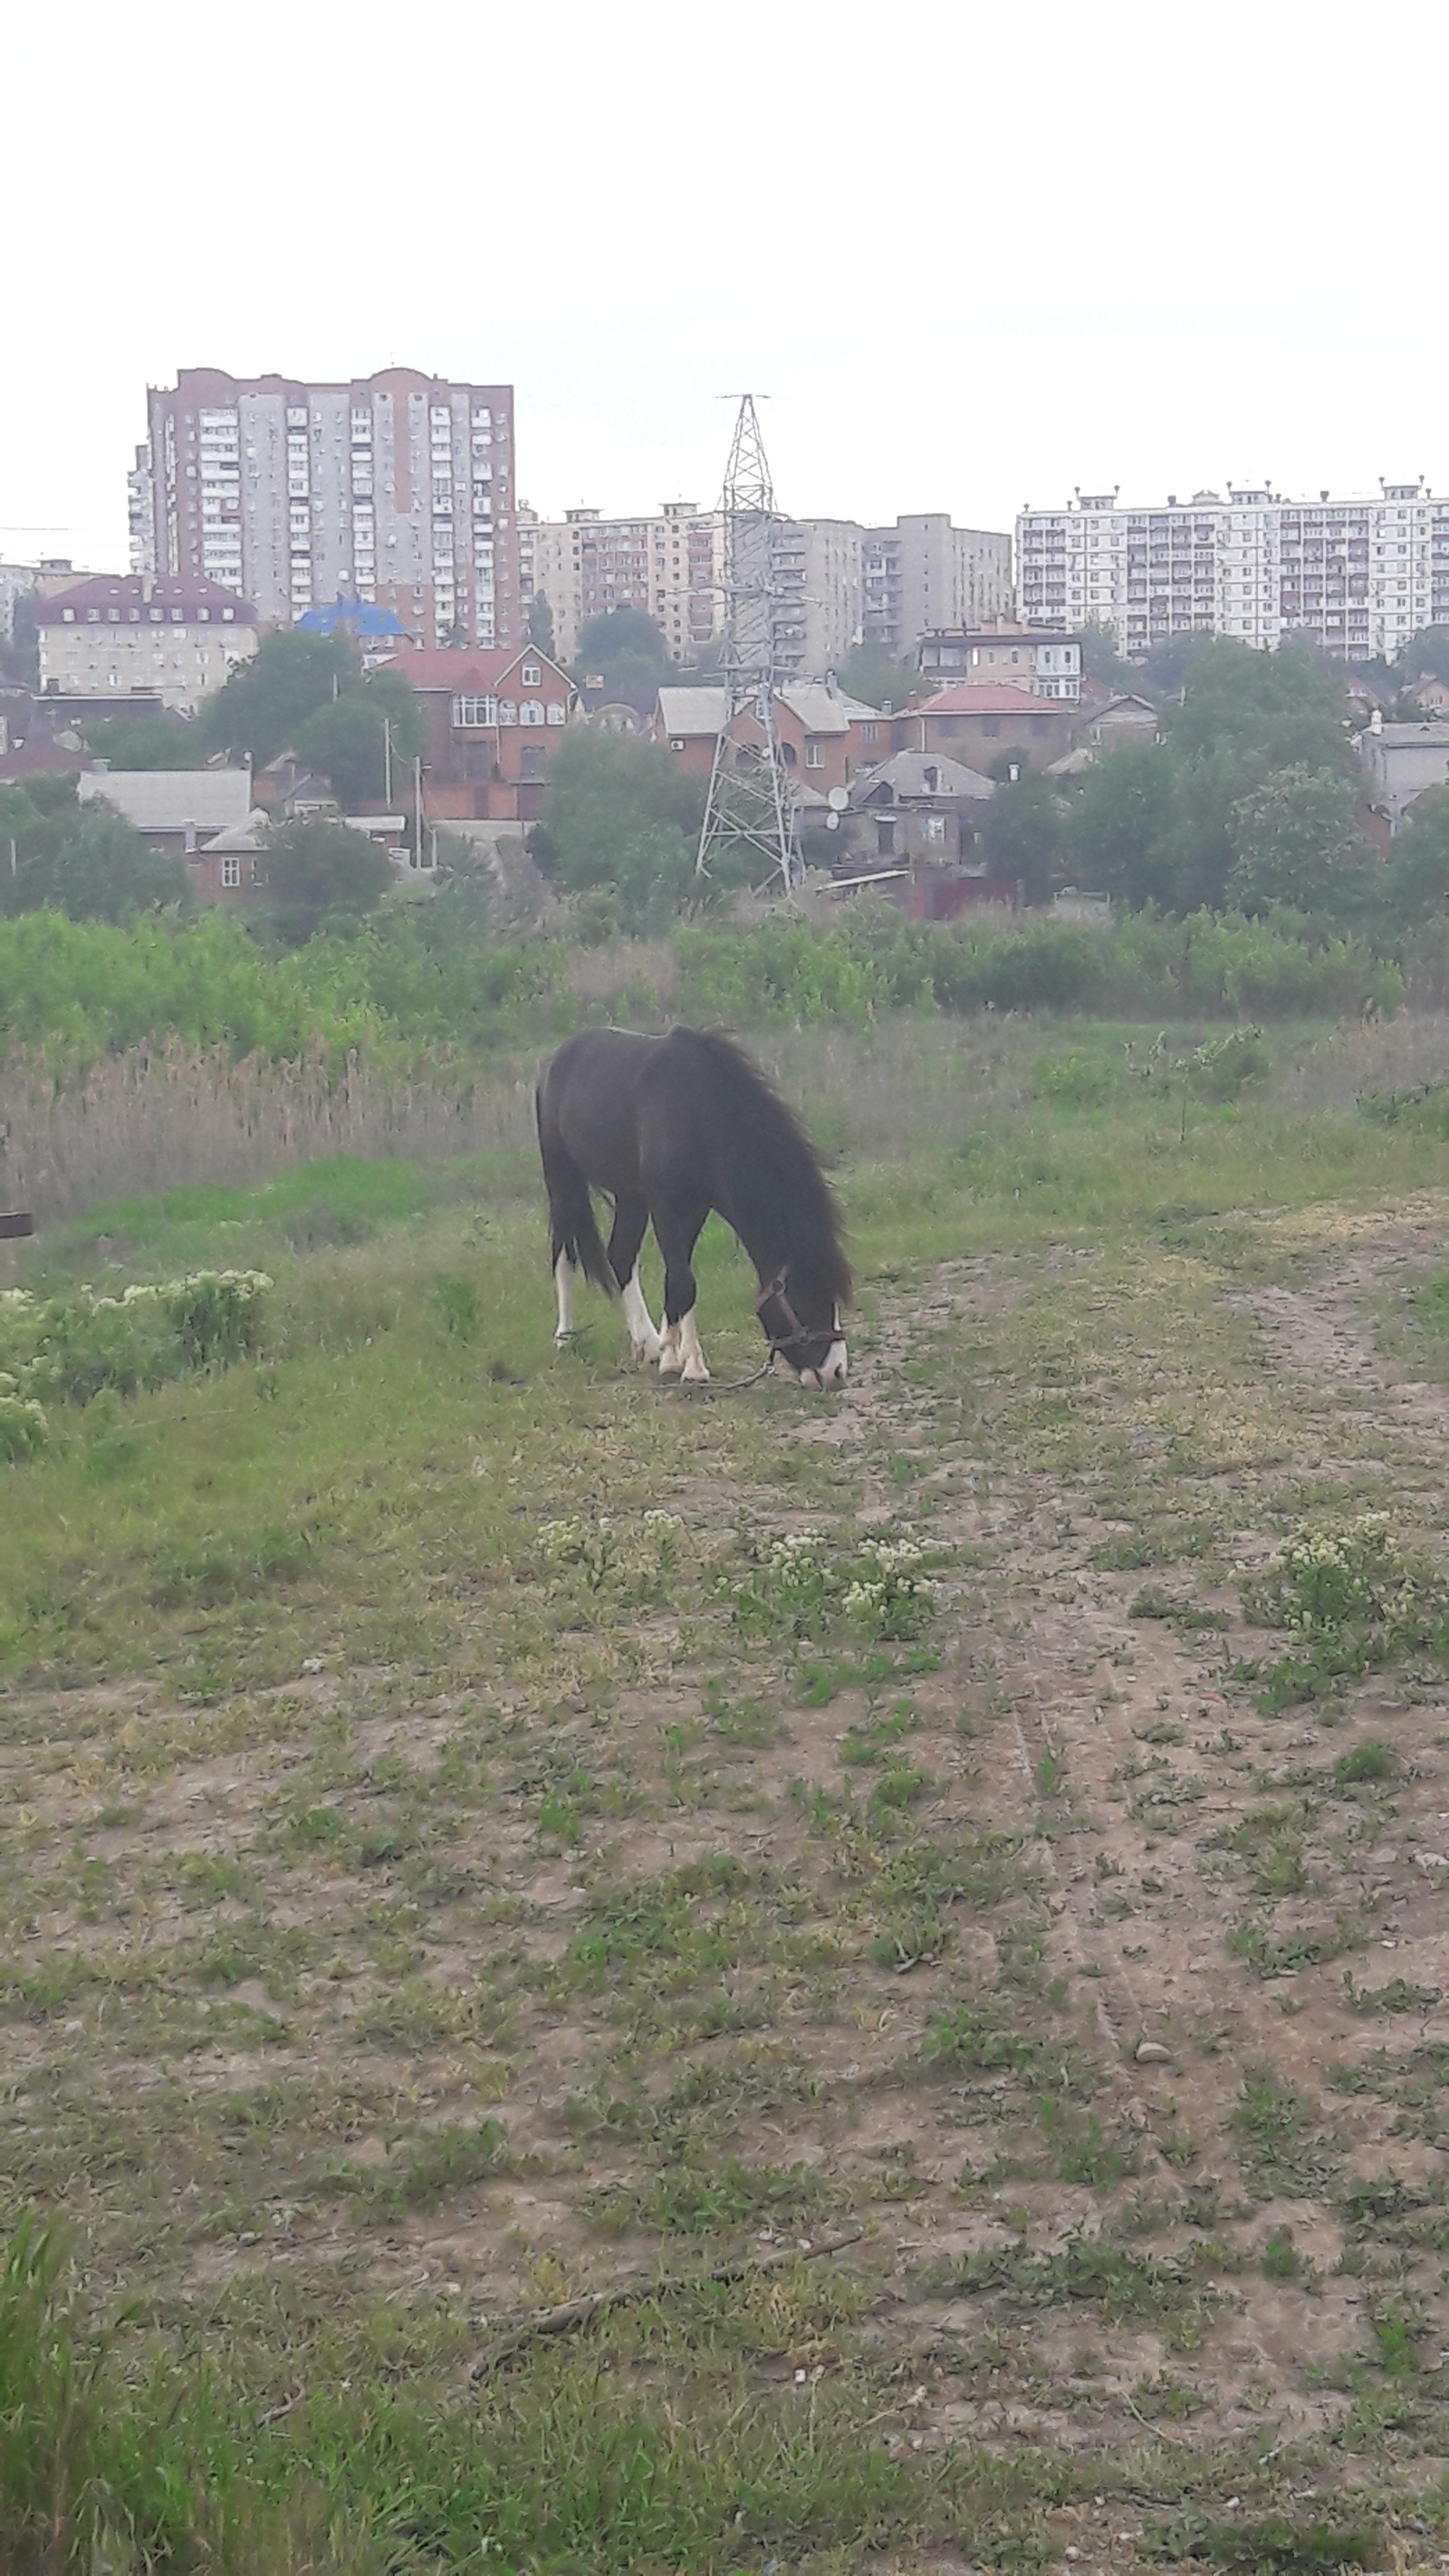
[972, 256]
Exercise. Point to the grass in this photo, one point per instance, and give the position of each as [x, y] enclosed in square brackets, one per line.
[454, 1860]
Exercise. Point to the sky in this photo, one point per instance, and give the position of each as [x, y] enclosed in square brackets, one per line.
[965, 257]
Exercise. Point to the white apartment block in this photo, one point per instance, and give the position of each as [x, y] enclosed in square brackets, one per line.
[1357, 576]
[584, 565]
[397, 488]
[130, 634]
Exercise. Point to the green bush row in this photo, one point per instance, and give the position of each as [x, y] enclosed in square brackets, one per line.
[81, 989]
[69, 1349]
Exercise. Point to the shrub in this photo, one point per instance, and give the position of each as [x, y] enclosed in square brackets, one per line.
[72, 1346]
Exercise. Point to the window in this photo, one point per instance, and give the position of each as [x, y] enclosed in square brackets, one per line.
[531, 712]
[933, 827]
[475, 711]
[814, 756]
[531, 676]
[231, 872]
[507, 712]
[557, 711]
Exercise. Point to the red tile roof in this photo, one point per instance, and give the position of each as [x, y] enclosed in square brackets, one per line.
[994, 698]
[455, 666]
[105, 590]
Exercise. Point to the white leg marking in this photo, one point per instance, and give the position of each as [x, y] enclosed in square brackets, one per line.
[647, 1344]
[694, 1371]
[563, 1280]
[671, 1357]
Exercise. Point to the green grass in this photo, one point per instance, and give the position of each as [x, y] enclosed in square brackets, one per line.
[425, 1898]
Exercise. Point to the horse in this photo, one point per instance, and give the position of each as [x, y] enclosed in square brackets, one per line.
[669, 1128]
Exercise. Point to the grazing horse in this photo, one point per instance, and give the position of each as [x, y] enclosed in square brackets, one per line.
[669, 1128]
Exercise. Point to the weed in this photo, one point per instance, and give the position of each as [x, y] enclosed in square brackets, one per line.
[1281, 2152]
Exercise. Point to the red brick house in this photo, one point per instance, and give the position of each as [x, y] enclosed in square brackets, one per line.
[492, 719]
[825, 737]
[976, 724]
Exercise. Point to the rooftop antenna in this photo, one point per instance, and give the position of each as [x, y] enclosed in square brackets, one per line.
[748, 799]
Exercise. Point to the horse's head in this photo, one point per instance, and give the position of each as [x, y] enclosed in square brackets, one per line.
[805, 1329]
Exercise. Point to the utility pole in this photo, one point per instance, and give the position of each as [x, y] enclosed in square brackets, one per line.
[387, 763]
[749, 798]
[418, 812]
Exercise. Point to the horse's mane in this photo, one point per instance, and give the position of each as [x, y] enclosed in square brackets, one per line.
[782, 1204]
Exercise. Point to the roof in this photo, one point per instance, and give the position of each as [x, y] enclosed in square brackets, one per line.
[822, 710]
[250, 835]
[475, 672]
[1411, 737]
[361, 615]
[1072, 763]
[686, 711]
[1126, 698]
[905, 775]
[984, 698]
[166, 800]
[139, 591]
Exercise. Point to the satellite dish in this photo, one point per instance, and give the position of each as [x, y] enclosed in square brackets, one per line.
[838, 799]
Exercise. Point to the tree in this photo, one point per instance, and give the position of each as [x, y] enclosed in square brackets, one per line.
[1102, 661]
[345, 738]
[627, 651]
[1416, 880]
[1024, 831]
[1273, 709]
[621, 818]
[540, 625]
[870, 675]
[317, 868]
[1425, 656]
[268, 699]
[1119, 838]
[152, 742]
[89, 864]
[1298, 842]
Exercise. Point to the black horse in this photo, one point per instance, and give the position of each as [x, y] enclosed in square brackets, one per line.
[669, 1128]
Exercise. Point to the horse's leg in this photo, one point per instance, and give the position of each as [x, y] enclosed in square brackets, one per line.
[678, 1226]
[631, 1217]
[564, 1275]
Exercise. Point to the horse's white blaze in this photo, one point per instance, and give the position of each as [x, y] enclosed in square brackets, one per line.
[636, 1315]
[671, 1357]
[694, 1371]
[563, 1280]
[833, 1367]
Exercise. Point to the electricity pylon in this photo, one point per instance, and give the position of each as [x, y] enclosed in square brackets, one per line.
[749, 799]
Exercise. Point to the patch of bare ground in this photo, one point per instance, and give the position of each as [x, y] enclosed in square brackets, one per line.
[1112, 2007]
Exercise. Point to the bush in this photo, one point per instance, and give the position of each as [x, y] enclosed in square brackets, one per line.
[72, 1346]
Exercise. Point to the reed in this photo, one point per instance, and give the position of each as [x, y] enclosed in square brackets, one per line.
[168, 1117]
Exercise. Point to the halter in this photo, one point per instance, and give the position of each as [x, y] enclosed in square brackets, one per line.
[776, 1293]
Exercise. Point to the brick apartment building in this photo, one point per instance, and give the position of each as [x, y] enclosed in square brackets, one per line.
[825, 737]
[397, 488]
[584, 565]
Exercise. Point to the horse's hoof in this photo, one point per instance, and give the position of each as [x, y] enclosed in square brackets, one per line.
[648, 1352]
[695, 1374]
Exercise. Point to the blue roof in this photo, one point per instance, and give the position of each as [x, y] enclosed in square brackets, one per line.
[358, 614]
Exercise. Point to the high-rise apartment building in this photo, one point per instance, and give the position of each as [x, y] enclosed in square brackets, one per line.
[584, 565]
[924, 574]
[1358, 576]
[398, 488]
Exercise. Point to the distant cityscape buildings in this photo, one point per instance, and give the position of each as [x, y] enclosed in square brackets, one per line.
[1358, 577]
[396, 488]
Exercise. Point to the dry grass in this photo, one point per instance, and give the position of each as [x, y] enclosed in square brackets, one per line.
[166, 1118]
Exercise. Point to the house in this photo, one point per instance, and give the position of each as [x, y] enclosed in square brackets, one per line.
[921, 815]
[1127, 718]
[177, 639]
[1049, 664]
[1400, 761]
[825, 737]
[1432, 694]
[174, 810]
[977, 724]
[492, 718]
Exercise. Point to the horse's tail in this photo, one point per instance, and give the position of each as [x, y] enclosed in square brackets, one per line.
[573, 1226]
